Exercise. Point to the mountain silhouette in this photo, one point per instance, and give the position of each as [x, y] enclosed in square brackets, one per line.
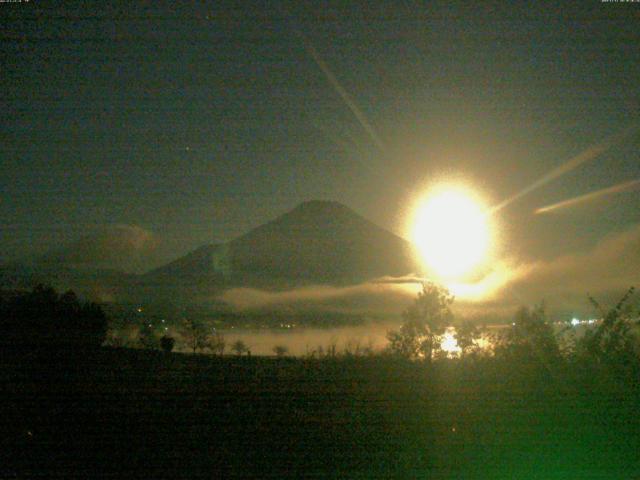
[318, 242]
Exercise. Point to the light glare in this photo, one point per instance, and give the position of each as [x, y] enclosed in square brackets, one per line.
[449, 344]
[451, 232]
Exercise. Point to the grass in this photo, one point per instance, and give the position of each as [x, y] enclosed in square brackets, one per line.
[137, 413]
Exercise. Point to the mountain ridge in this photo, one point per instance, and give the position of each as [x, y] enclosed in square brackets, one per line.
[317, 242]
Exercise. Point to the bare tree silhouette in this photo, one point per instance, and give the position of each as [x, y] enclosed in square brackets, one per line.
[424, 322]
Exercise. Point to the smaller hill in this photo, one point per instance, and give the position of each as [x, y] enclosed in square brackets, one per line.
[126, 248]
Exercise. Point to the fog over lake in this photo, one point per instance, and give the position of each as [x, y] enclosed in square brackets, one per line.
[303, 341]
[300, 341]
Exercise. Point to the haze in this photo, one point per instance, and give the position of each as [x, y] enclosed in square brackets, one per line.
[148, 132]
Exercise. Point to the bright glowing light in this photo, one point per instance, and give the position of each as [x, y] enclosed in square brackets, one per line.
[449, 344]
[450, 229]
[486, 286]
[575, 321]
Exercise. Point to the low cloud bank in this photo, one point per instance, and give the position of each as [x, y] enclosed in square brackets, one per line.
[374, 296]
[606, 271]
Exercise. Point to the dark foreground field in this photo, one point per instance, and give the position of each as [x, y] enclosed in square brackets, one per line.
[145, 414]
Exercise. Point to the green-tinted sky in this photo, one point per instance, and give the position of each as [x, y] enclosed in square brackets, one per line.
[199, 120]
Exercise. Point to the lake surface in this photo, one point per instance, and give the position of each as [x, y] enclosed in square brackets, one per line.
[303, 341]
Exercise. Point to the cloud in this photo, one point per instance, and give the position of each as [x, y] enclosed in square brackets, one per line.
[407, 279]
[608, 270]
[125, 239]
[605, 271]
[375, 296]
[122, 247]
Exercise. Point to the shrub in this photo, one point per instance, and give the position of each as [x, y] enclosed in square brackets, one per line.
[196, 335]
[167, 343]
[531, 337]
[424, 322]
[148, 336]
[612, 342]
[467, 337]
[280, 350]
[218, 344]
[239, 347]
[42, 322]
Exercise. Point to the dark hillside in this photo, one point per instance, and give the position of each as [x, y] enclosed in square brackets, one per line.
[137, 413]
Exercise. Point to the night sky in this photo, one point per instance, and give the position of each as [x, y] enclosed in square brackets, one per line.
[197, 121]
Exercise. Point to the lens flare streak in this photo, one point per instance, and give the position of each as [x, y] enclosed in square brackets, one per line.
[619, 188]
[585, 156]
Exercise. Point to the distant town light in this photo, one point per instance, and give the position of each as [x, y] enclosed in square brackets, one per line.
[575, 321]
